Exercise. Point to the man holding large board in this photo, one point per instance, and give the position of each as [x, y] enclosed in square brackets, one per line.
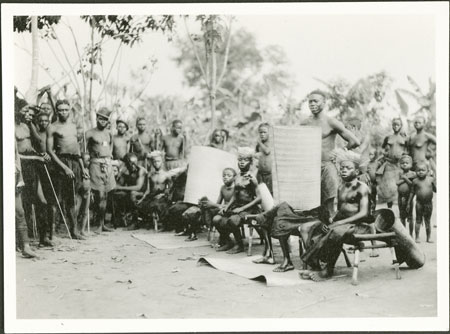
[330, 128]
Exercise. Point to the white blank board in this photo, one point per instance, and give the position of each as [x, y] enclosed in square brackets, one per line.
[204, 177]
[296, 165]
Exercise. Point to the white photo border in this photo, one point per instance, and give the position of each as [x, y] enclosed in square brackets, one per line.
[440, 323]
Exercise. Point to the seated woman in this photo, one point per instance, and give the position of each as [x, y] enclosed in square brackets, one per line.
[244, 202]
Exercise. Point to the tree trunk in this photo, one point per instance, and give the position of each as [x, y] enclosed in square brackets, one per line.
[92, 114]
[212, 93]
[31, 94]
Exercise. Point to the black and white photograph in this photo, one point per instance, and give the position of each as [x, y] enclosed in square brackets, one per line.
[225, 167]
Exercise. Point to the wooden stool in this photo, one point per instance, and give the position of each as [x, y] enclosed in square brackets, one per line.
[389, 241]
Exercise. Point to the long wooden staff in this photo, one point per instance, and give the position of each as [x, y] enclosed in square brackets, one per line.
[57, 202]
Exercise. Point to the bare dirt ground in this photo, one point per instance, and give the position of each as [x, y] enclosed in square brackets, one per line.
[115, 276]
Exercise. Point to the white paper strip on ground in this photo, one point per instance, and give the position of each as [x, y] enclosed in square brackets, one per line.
[296, 165]
[204, 178]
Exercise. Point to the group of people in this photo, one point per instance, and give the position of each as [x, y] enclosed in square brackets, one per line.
[141, 179]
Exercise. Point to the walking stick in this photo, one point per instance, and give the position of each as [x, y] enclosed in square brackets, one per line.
[57, 202]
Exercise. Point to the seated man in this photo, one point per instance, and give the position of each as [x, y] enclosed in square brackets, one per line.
[353, 217]
[281, 221]
[155, 200]
[130, 188]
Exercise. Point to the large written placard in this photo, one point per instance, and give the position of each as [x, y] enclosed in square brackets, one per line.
[204, 177]
[296, 165]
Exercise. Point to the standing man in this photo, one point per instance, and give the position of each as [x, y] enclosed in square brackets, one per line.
[63, 147]
[99, 144]
[45, 192]
[174, 146]
[141, 143]
[330, 128]
[30, 159]
[120, 140]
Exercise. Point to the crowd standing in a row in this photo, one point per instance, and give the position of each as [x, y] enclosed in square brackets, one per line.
[141, 178]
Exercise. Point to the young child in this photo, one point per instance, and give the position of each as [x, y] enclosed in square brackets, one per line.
[372, 167]
[216, 210]
[264, 156]
[404, 186]
[423, 187]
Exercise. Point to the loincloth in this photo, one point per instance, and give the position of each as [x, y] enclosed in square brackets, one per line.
[329, 181]
[68, 188]
[327, 247]
[102, 175]
[172, 164]
[387, 176]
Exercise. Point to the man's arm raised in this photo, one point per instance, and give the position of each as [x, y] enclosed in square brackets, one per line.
[347, 135]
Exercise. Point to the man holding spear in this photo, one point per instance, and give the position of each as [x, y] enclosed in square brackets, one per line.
[63, 147]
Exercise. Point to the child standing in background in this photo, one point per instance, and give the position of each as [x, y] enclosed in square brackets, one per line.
[404, 186]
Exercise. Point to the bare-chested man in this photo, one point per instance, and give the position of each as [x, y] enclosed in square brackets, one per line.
[22, 241]
[330, 128]
[141, 143]
[132, 188]
[30, 160]
[155, 200]
[45, 189]
[64, 149]
[353, 217]
[99, 144]
[174, 146]
[394, 146]
[120, 140]
[419, 142]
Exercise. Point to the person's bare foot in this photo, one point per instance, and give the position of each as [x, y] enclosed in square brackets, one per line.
[264, 260]
[191, 238]
[225, 247]
[236, 249]
[107, 229]
[417, 241]
[132, 227]
[84, 234]
[77, 236]
[46, 243]
[27, 252]
[430, 241]
[284, 267]
[181, 234]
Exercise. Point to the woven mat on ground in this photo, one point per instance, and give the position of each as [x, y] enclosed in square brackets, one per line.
[244, 267]
[169, 240]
